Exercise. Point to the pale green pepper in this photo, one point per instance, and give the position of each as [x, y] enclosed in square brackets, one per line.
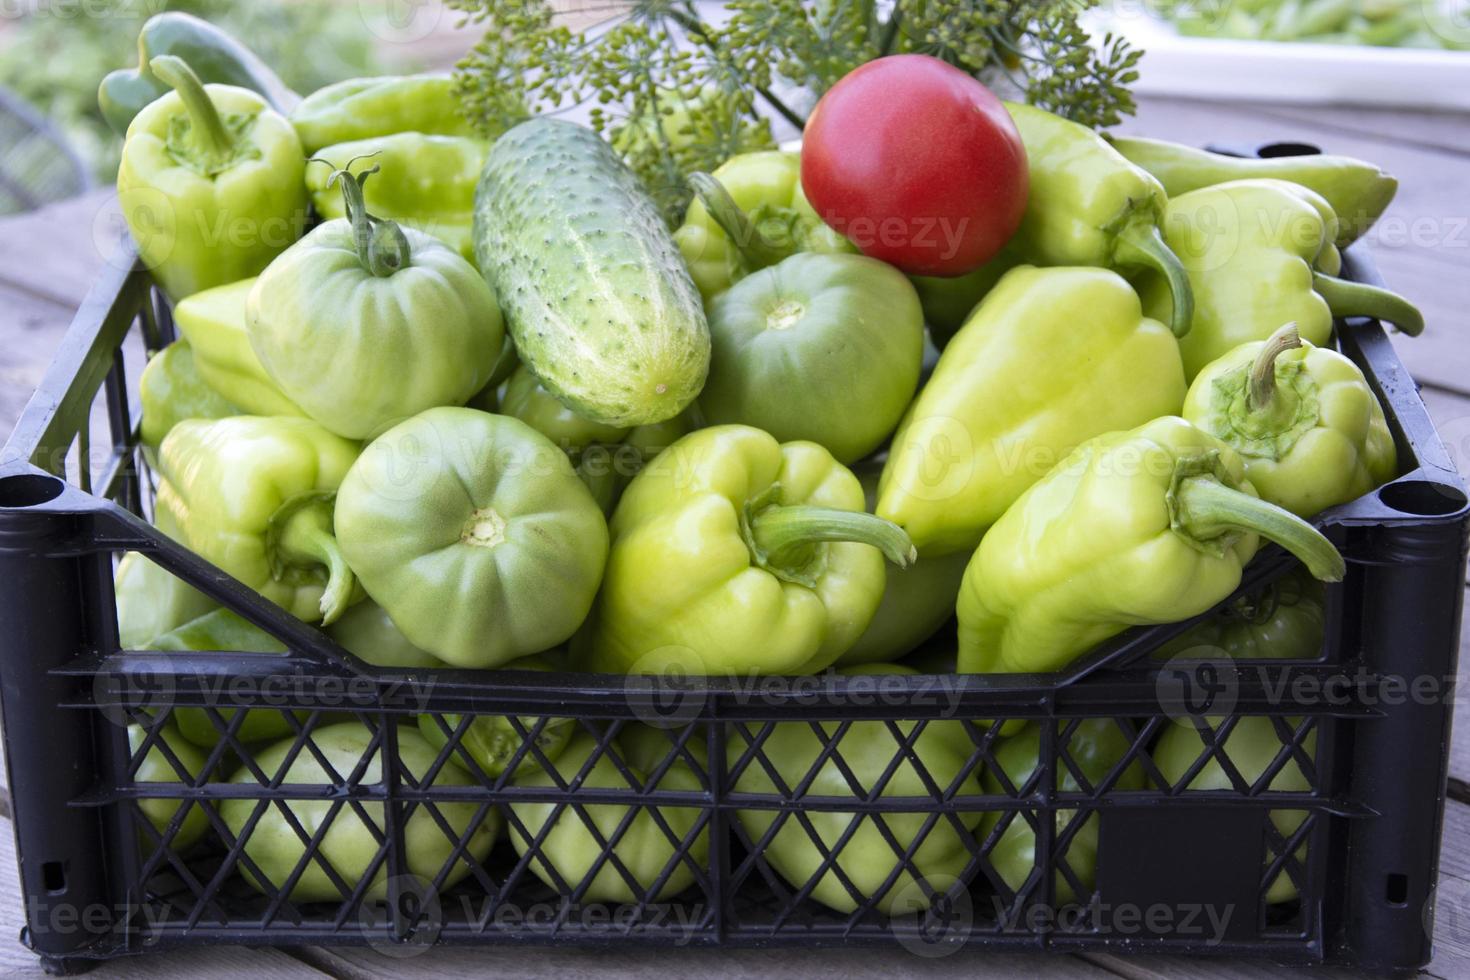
[210, 184]
[171, 390]
[213, 322]
[489, 743]
[426, 183]
[1141, 527]
[749, 214]
[1303, 418]
[152, 601]
[363, 108]
[1050, 358]
[1254, 251]
[254, 496]
[736, 555]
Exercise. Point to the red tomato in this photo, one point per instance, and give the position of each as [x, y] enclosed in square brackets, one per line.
[918, 163]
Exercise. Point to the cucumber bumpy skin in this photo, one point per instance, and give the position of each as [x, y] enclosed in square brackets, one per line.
[593, 288]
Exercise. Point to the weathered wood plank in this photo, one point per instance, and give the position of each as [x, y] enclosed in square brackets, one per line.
[559, 963]
[215, 962]
[56, 252]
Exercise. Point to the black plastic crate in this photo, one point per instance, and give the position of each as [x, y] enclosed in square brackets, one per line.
[1339, 866]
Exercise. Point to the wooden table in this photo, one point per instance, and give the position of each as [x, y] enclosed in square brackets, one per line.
[1423, 248]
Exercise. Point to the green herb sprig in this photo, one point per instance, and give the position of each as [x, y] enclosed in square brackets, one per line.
[678, 92]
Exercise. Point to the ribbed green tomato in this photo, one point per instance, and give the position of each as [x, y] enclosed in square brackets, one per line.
[158, 768]
[349, 844]
[474, 533]
[361, 348]
[825, 348]
[569, 850]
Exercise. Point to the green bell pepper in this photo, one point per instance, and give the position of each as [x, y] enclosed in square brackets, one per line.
[1090, 206]
[339, 321]
[367, 631]
[569, 850]
[474, 533]
[749, 214]
[211, 183]
[606, 456]
[737, 555]
[1134, 528]
[349, 845]
[254, 496]
[1017, 389]
[213, 54]
[1357, 192]
[426, 183]
[819, 347]
[1095, 746]
[916, 602]
[152, 601]
[213, 322]
[1252, 747]
[171, 390]
[868, 861]
[363, 108]
[223, 630]
[1285, 620]
[1250, 247]
[1303, 418]
[492, 741]
[156, 767]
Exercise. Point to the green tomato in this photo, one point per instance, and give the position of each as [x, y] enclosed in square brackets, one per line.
[349, 844]
[491, 741]
[367, 630]
[825, 348]
[867, 859]
[157, 768]
[360, 351]
[569, 849]
[1096, 746]
[475, 534]
[1285, 620]
[1251, 747]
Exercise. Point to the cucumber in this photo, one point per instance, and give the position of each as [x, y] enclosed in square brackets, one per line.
[593, 288]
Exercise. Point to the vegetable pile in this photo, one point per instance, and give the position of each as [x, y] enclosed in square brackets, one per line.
[489, 411]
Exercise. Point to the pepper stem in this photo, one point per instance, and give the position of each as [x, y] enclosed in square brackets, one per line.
[1139, 243]
[1360, 299]
[1205, 508]
[382, 247]
[1263, 371]
[209, 131]
[757, 250]
[304, 538]
[782, 536]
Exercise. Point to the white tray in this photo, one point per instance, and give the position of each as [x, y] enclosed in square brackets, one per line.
[1271, 71]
